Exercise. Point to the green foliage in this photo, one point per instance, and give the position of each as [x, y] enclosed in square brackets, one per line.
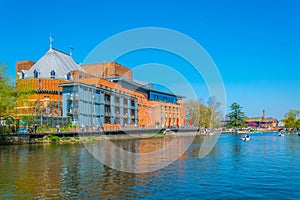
[74, 125]
[65, 127]
[291, 119]
[90, 138]
[66, 138]
[7, 94]
[29, 119]
[203, 115]
[54, 138]
[236, 118]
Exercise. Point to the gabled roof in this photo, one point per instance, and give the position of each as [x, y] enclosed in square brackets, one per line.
[56, 60]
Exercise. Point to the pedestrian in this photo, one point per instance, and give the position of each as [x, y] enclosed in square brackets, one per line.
[57, 128]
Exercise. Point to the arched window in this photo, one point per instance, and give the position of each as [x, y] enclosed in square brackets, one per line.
[52, 74]
[23, 75]
[68, 76]
[35, 74]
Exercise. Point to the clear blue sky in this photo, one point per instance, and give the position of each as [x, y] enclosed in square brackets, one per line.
[255, 44]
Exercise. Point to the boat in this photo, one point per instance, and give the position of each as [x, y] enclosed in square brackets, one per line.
[169, 132]
[245, 138]
[281, 134]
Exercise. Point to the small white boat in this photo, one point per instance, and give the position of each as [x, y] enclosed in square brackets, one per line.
[245, 138]
[281, 134]
[169, 132]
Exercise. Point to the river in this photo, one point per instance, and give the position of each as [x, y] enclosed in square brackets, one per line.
[267, 166]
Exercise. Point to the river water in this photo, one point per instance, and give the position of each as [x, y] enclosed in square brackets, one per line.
[267, 166]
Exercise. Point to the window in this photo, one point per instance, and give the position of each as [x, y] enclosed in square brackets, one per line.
[35, 74]
[23, 75]
[68, 76]
[52, 74]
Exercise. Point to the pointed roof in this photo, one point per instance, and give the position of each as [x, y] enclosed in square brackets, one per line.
[56, 60]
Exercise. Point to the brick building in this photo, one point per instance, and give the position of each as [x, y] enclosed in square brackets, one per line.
[101, 94]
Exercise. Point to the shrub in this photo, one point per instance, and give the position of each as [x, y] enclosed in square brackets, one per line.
[66, 138]
[54, 138]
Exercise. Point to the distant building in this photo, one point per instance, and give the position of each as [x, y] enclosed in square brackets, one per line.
[263, 122]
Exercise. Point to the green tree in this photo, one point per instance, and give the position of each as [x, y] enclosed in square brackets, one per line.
[203, 115]
[7, 94]
[7, 98]
[291, 119]
[236, 118]
[215, 115]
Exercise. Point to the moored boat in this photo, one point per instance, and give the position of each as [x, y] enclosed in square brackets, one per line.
[245, 138]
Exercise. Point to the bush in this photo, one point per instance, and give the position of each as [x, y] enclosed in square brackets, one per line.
[54, 138]
[66, 138]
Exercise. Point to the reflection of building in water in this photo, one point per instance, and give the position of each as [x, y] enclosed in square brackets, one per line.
[39, 176]
[93, 94]
[167, 149]
[50, 179]
[111, 181]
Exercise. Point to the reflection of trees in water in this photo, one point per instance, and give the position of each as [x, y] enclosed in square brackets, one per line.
[31, 171]
[69, 171]
[203, 143]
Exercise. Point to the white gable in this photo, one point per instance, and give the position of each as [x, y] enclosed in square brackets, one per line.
[55, 60]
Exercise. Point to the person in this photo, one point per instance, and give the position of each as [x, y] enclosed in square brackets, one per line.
[26, 128]
[35, 127]
[57, 128]
[82, 127]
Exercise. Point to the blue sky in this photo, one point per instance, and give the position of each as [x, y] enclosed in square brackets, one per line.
[255, 44]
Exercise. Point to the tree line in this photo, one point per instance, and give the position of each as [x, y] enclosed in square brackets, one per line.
[205, 115]
[237, 118]
[292, 119]
[199, 113]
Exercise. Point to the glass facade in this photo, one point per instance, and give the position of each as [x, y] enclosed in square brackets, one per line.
[87, 105]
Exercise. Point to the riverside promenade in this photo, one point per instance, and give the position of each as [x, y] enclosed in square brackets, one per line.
[21, 138]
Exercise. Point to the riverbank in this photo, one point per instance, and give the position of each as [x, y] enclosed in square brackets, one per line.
[16, 140]
[80, 137]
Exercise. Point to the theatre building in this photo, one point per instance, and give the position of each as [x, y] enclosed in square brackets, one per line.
[101, 94]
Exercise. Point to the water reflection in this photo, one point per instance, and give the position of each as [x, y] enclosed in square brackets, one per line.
[139, 155]
[266, 166]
